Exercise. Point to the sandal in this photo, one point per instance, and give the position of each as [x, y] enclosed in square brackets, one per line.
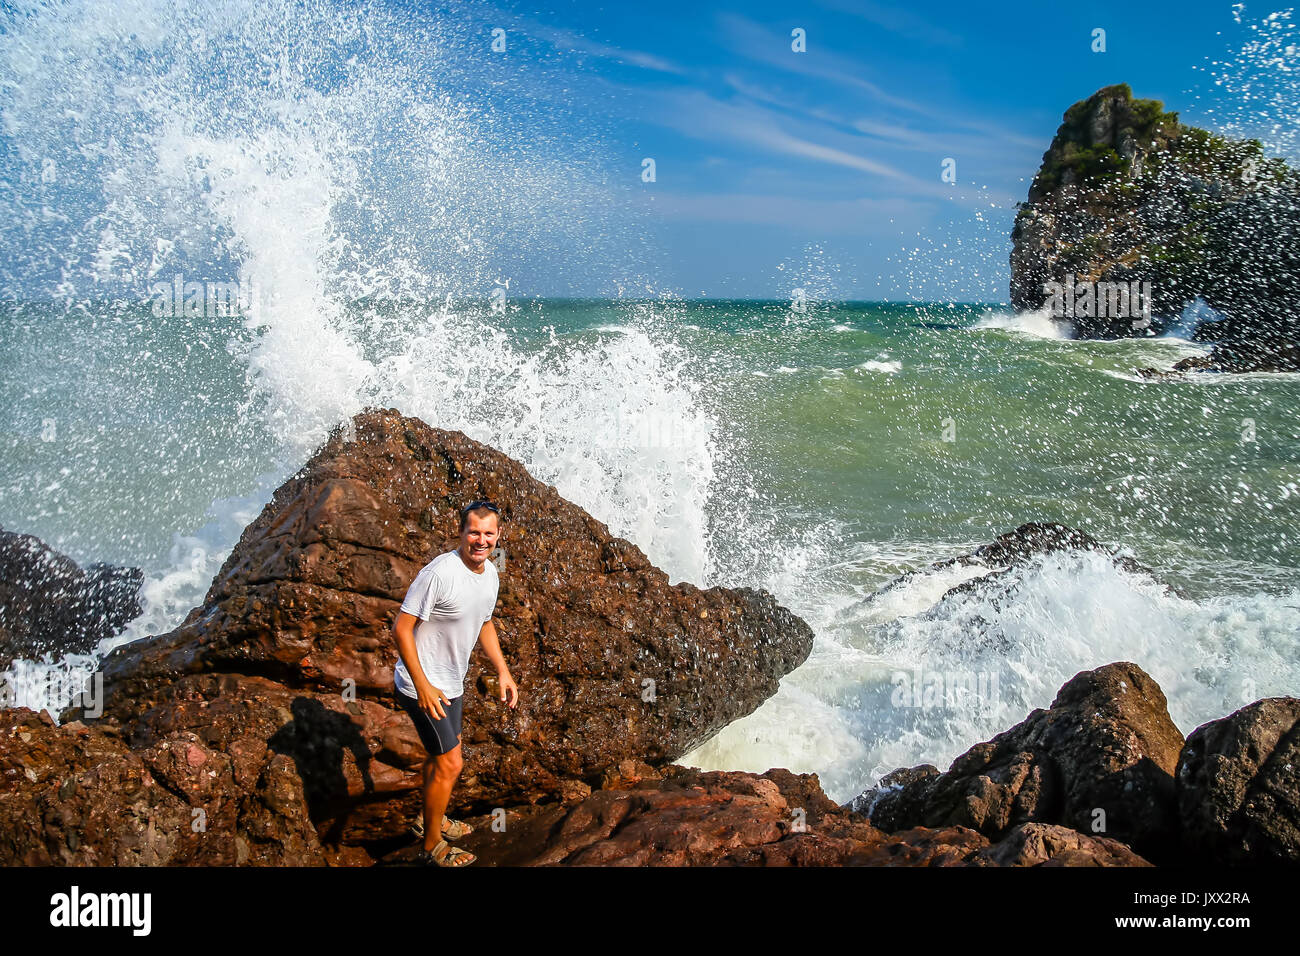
[444, 854]
[451, 829]
[455, 829]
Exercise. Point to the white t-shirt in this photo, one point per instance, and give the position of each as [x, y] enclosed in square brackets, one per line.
[453, 603]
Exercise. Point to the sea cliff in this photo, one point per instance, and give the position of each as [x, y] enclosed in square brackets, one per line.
[1127, 193]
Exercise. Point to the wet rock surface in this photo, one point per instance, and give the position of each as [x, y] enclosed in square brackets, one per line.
[1239, 786]
[1099, 761]
[695, 818]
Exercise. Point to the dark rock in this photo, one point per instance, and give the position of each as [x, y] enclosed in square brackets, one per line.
[891, 782]
[1008, 551]
[78, 795]
[50, 605]
[1239, 786]
[1127, 193]
[1037, 537]
[1102, 755]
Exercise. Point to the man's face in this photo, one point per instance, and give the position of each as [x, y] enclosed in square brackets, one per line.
[479, 536]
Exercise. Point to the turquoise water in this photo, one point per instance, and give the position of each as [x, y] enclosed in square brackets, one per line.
[816, 454]
[903, 423]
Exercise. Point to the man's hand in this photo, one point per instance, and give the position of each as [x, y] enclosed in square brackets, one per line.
[431, 701]
[508, 685]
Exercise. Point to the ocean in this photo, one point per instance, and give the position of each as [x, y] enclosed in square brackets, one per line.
[818, 454]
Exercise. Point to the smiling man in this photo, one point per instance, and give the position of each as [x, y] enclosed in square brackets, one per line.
[448, 609]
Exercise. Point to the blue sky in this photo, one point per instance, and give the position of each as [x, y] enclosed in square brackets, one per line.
[775, 170]
[822, 169]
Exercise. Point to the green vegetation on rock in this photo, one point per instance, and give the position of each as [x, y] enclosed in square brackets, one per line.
[1126, 192]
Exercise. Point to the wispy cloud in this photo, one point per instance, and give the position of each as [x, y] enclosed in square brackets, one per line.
[570, 41]
[770, 48]
[730, 123]
[897, 20]
[929, 139]
[700, 116]
[893, 111]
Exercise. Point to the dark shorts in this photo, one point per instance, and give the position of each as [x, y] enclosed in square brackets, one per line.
[438, 736]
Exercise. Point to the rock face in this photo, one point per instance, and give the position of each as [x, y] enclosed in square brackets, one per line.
[1099, 760]
[49, 604]
[286, 668]
[1239, 786]
[78, 795]
[1127, 193]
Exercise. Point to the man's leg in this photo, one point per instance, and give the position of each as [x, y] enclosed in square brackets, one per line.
[440, 773]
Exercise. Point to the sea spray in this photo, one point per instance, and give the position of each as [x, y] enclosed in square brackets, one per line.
[342, 161]
[904, 678]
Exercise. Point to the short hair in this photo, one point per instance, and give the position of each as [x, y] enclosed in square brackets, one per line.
[474, 506]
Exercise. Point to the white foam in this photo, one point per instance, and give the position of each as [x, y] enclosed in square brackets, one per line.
[889, 368]
[1039, 324]
[1068, 612]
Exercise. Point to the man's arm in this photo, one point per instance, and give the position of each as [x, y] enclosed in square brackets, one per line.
[487, 637]
[430, 697]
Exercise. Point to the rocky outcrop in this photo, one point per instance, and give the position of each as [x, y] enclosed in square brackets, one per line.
[1239, 786]
[1011, 550]
[76, 794]
[1100, 760]
[287, 665]
[1126, 193]
[50, 605]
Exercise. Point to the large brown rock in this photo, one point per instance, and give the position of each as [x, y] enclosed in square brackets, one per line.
[1099, 761]
[289, 659]
[1239, 786]
[50, 605]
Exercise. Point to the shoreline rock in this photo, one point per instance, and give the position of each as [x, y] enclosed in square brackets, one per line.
[1127, 193]
[1239, 786]
[1099, 760]
[286, 668]
[49, 604]
[1009, 550]
[690, 817]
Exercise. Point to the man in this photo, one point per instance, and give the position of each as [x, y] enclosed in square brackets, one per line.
[448, 608]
